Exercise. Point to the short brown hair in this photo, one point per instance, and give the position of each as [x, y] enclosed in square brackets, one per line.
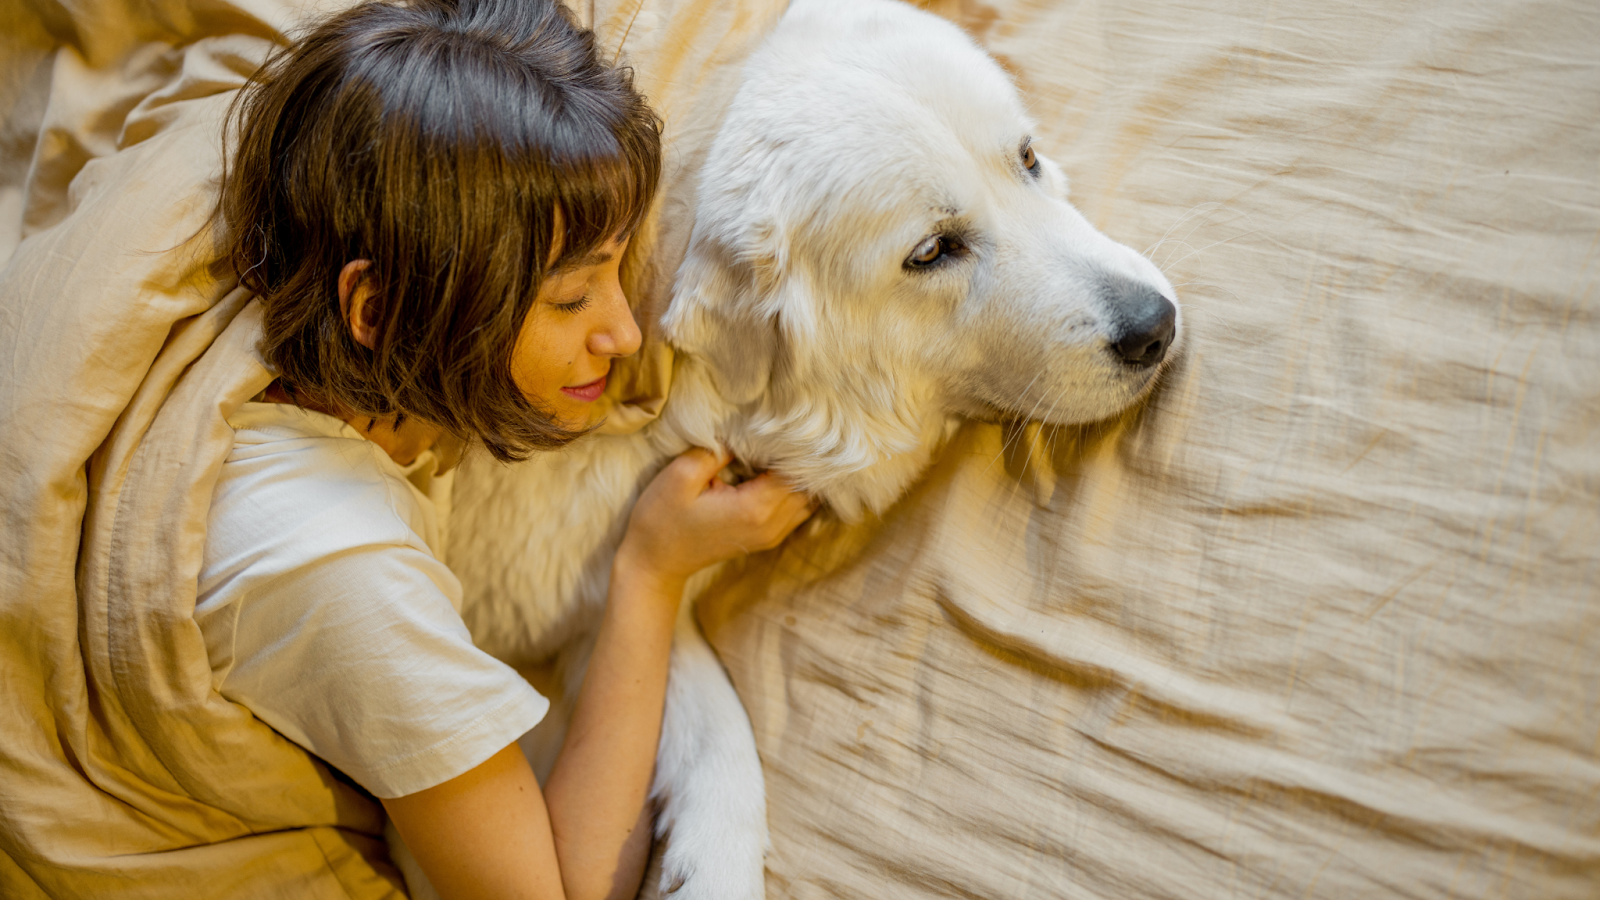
[443, 140]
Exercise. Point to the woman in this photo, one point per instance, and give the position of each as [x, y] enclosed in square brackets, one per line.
[432, 202]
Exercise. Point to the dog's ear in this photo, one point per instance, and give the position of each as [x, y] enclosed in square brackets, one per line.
[713, 316]
[735, 312]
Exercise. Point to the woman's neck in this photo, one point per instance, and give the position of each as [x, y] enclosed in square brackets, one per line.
[404, 444]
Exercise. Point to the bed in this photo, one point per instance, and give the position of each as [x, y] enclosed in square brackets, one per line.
[1320, 619]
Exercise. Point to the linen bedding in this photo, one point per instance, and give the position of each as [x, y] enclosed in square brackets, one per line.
[1321, 619]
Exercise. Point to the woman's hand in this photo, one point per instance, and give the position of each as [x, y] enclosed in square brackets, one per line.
[688, 519]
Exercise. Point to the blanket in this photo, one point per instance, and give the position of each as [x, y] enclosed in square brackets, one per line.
[1318, 620]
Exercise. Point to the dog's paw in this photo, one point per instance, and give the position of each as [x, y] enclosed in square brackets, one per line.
[705, 873]
[716, 846]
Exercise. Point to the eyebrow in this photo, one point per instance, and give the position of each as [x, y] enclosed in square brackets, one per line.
[588, 259]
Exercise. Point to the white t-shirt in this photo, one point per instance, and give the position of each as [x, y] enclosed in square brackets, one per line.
[327, 614]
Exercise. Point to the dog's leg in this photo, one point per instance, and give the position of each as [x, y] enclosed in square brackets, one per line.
[710, 797]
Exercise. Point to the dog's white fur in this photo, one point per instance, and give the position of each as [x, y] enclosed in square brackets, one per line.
[808, 346]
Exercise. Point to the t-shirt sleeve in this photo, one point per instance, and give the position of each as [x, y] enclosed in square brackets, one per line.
[360, 658]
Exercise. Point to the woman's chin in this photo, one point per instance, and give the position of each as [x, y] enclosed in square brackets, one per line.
[582, 416]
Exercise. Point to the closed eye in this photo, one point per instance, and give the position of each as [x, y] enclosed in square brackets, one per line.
[576, 306]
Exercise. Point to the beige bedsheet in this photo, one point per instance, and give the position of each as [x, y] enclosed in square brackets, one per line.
[1321, 620]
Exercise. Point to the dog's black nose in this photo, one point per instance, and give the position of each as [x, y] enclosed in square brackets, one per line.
[1146, 321]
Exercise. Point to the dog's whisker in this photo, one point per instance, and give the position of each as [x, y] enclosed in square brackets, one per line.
[1006, 444]
[1204, 314]
[1214, 244]
[1050, 439]
[1197, 223]
[1180, 242]
[1194, 223]
[1214, 321]
[1050, 448]
[1180, 220]
[1211, 284]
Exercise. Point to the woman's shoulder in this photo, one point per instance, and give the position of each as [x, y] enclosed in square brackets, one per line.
[301, 486]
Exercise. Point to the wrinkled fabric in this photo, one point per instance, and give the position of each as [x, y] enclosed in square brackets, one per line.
[122, 773]
[1321, 618]
[1318, 620]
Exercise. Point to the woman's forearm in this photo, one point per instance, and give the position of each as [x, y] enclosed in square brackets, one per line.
[598, 789]
[487, 834]
[685, 519]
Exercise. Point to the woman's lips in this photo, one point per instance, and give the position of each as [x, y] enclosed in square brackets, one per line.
[587, 393]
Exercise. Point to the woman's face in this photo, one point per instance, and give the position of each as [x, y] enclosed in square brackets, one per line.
[579, 322]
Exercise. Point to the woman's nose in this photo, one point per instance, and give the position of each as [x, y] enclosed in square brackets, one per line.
[617, 334]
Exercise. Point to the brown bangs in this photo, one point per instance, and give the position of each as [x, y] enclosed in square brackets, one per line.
[438, 140]
[605, 197]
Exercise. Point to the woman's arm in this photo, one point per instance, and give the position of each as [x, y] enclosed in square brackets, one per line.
[600, 783]
[490, 833]
[487, 833]
[483, 834]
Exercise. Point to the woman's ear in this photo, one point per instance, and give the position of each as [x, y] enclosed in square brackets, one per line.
[355, 294]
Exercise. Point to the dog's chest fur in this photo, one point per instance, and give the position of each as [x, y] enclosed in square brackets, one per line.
[535, 563]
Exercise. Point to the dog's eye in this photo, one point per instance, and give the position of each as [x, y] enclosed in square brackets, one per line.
[1029, 160]
[930, 251]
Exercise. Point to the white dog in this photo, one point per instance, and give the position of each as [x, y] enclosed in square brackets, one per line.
[877, 247]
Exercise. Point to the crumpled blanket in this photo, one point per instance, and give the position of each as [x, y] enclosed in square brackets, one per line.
[1318, 620]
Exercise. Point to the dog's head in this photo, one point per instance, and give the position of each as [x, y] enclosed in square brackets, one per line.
[878, 244]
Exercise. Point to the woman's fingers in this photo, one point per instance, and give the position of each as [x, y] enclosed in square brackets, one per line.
[686, 519]
[779, 508]
[694, 469]
[768, 493]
